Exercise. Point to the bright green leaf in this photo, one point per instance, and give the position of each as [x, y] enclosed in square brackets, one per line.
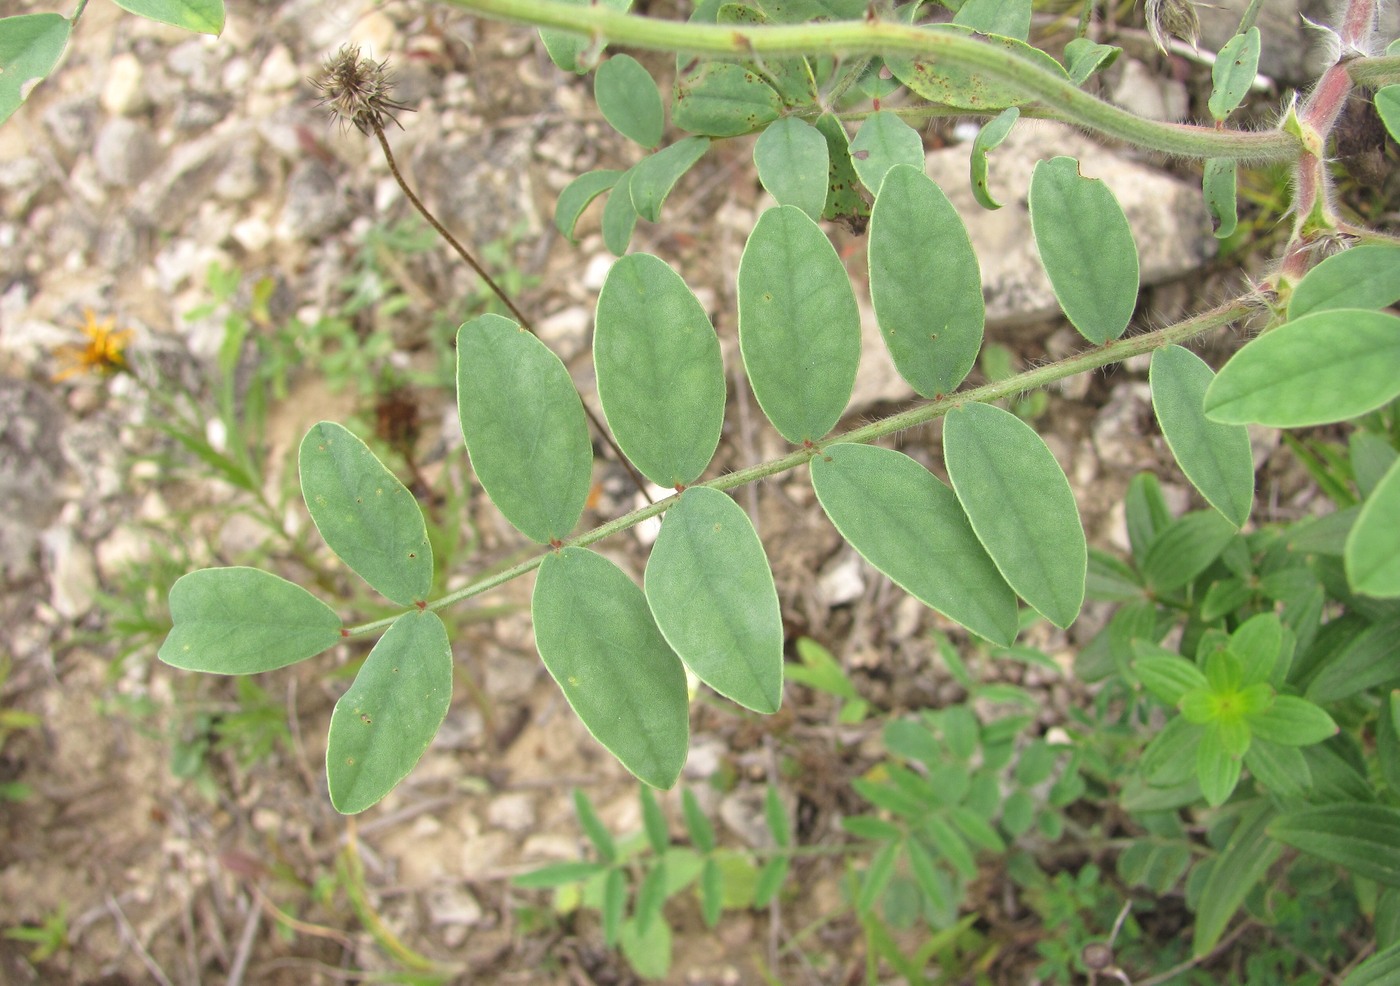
[201, 16]
[627, 96]
[654, 176]
[925, 284]
[776, 816]
[658, 833]
[651, 895]
[1372, 554]
[1388, 106]
[712, 594]
[614, 904]
[660, 375]
[799, 327]
[242, 621]
[557, 875]
[1292, 721]
[911, 527]
[1086, 248]
[596, 636]
[1021, 506]
[577, 195]
[384, 722]
[1217, 769]
[1382, 968]
[877, 877]
[1167, 676]
[770, 880]
[711, 893]
[702, 833]
[791, 158]
[1365, 838]
[1325, 367]
[1258, 644]
[993, 132]
[524, 426]
[30, 47]
[593, 826]
[1218, 184]
[1233, 72]
[366, 516]
[883, 141]
[1365, 276]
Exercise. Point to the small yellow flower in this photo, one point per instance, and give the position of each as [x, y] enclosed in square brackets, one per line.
[101, 354]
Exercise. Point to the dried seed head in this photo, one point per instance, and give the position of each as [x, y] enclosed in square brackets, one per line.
[1173, 18]
[356, 91]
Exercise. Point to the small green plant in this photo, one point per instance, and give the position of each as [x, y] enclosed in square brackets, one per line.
[12, 721]
[49, 937]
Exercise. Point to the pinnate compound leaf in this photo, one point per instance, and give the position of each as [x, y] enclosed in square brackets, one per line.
[596, 635]
[1086, 248]
[1325, 367]
[1238, 869]
[792, 162]
[1218, 184]
[660, 374]
[799, 327]
[627, 96]
[1388, 106]
[524, 426]
[993, 132]
[577, 195]
[1233, 72]
[366, 516]
[1363, 837]
[383, 724]
[201, 16]
[1215, 457]
[722, 99]
[911, 527]
[244, 620]
[1020, 505]
[1372, 553]
[30, 47]
[654, 177]
[883, 141]
[712, 594]
[925, 284]
[1365, 276]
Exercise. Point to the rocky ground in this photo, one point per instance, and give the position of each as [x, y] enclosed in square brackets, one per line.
[170, 840]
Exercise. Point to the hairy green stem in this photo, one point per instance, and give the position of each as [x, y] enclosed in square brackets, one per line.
[1035, 379]
[884, 38]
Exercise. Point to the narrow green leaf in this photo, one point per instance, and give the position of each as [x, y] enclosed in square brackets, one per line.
[702, 833]
[1147, 513]
[1325, 367]
[1216, 767]
[648, 954]
[1258, 643]
[1363, 277]
[1383, 968]
[1292, 721]
[627, 96]
[577, 195]
[1388, 106]
[1215, 457]
[1218, 184]
[1238, 869]
[1281, 770]
[1084, 57]
[1010, 18]
[1233, 73]
[776, 816]
[791, 158]
[614, 905]
[383, 724]
[658, 833]
[565, 47]
[1086, 248]
[799, 326]
[1020, 505]
[1170, 758]
[950, 845]
[711, 893]
[30, 47]
[930, 881]
[1363, 837]
[1366, 660]
[201, 16]
[366, 516]
[843, 198]
[597, 638]
[557, 875]
[877, 877]
[654, 176]
[820, 670]
[925, 283]
[712, 594]
[770, 880]
[722, 99]
[619, 216]
[993, 132]
[1169, 677]
[912, 528]
[940, 81]
[244, 620]
[883, 141]
[524, 426]
[1372, 553]
[871, 828]
[1372, 456]
[651, 895]
[593, 826]
[660, 375]
[1185, 549]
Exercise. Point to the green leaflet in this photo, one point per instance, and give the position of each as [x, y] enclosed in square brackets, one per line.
[722, 99]
[1215, 457]
[564, 47]
[993, 132]
[627, 96]
[1363, 837]
[1185, 548]
[524, 426]
[597, 637]
[619, 215]
[30, 47]
[576, 196]
[1388, 106]
[792, 76]
[1218, 182]
[883, 141]
[791, 158]
[1324, 367]
[712, 594]
[1380, 969]
[203, 16]
[1239, 867]
[1372, 553]
[366, 516]
[843, 198]
[1020, 505]
[1363, 277]
[799, 327]
[1011, 18]
[384, 723]
[1084, 57]
[244, 620]
[911, 527]
[951, 85]
[1086, 248]
[653, 177]
[660, 375]
[925, 284]
[1233, 73]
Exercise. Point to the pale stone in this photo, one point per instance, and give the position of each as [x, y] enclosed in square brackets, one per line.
[124, 93]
